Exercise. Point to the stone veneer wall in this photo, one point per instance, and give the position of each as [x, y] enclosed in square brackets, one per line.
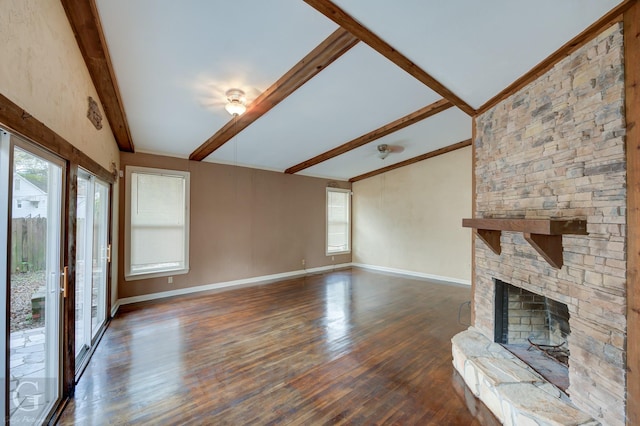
[555, 149]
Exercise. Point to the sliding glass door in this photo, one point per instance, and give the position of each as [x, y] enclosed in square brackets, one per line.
[32, 277]
[92, 261]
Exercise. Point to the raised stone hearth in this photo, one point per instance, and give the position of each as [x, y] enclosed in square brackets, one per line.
[514, 393]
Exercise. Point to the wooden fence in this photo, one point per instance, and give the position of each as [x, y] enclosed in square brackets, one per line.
[28, 244]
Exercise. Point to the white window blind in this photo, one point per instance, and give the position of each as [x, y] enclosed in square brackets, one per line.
[338, 220]
[158, 222]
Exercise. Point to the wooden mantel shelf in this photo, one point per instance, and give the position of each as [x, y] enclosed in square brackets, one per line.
[544, 235]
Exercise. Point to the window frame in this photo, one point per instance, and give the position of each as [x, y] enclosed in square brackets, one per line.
[326, 245]
[166, 272]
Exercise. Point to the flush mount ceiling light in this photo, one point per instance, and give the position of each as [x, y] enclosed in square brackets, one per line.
[236, 102]
[383, 151]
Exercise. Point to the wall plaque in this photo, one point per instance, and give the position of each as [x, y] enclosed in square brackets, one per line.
[93, 113]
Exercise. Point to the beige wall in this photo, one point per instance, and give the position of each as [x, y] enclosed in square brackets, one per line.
[244, 223]
[410, 219]
[42, 70]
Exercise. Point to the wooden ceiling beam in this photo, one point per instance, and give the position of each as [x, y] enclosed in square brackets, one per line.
[615, 15]
[318, 59]
[85, 22]
[340, 17]
[422, 157]
[387, 129]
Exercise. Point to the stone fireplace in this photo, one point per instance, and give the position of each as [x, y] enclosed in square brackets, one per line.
[555, 150]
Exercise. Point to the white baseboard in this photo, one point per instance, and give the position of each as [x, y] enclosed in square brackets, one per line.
[264, 279]
[413, 274]
[114, 308]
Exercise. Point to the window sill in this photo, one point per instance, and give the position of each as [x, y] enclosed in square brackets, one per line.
[144, 276]
[338, 253]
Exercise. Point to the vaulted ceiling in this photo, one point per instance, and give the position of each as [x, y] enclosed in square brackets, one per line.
[326, 81]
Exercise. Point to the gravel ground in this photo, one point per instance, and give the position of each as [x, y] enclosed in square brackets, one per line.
[23, 285]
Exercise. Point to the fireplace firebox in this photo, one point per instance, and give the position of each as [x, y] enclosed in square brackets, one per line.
[535, 328]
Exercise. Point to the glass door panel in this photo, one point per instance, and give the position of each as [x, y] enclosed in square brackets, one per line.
[35, 266]
[82, 264]
[100, 256]
[91, 261]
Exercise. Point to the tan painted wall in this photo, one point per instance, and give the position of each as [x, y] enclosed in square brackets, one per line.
[244, 223]
[42, 71]
[411, 218]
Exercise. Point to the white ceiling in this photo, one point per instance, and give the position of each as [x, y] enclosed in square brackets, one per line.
[173, 62]
[477, 48]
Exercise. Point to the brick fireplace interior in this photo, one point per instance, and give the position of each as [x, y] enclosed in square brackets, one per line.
[556, 150]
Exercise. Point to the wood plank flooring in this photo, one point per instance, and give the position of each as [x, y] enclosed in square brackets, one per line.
[347, 347]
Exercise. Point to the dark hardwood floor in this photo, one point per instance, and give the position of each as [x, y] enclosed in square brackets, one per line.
[347, 347]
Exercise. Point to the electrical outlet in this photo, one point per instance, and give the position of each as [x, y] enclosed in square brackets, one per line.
[333, 258]
[170, 279]
[303, 262]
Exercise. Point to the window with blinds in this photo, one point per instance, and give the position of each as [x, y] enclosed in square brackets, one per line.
[157, 222]
[338, 221]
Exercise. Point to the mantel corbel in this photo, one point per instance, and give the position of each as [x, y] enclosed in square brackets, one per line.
[544, 235]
